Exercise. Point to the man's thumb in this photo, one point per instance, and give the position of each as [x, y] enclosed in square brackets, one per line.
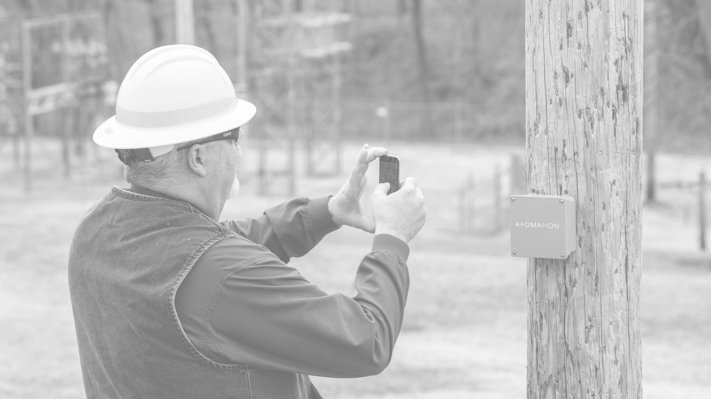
[381, 190]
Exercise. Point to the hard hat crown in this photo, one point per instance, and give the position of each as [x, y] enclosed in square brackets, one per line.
[170, 95]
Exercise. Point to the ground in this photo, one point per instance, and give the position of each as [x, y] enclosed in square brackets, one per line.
[465, 330]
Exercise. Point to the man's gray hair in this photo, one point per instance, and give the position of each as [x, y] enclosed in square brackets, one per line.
[161, 171]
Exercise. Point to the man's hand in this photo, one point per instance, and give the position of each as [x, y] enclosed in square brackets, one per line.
[402, 213]
[345, 205]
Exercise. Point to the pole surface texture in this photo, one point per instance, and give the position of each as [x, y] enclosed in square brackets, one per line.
[584, 139]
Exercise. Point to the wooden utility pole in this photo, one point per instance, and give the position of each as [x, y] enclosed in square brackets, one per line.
[242, 18]
[184, 22]
[584, 139]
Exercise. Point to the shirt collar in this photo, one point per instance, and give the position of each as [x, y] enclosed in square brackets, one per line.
[145, 191]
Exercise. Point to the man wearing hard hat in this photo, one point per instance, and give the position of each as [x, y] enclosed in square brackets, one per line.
[169, 302]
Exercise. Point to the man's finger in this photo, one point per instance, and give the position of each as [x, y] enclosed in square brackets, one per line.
[375, 152]
[365, 156]
[359, 170]
[363, 182]
[360, 165]
[362, 155]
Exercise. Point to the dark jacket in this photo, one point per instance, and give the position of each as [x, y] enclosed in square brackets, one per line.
[128, 257]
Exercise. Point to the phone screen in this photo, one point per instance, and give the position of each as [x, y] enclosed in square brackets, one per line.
[390, 172]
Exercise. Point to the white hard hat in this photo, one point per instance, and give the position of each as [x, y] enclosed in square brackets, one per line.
[173, 94]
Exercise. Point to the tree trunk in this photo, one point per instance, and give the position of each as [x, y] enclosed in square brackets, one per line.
[704, 7]
[204, 19]
[156, 24]
[584, 139]
[651, 94]
[421, 49]
[422, 65]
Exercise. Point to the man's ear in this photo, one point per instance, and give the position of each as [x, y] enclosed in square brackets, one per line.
[197, 159]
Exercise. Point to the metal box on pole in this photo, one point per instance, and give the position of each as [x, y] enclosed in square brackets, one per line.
[542, 226]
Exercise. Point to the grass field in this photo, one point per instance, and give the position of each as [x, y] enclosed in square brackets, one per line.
[465, 330]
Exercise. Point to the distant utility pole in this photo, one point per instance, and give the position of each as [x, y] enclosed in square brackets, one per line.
[184, 22]
[584, 139]
[242, 19]
[702, 211]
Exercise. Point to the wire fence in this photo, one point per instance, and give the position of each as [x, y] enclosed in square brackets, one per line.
[483, 196]
[696, 192]
[443, 121]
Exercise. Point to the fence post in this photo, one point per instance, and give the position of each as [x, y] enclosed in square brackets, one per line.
[518, 180]
[497, 198]
[650, 188]
[459, 122]
[14, 128]
[66, 140]
[383, 112]
[702, 211]
[462, 210]
[466, 204]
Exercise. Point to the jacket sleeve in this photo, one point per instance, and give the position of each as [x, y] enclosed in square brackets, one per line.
[268, 316]
[290, 229]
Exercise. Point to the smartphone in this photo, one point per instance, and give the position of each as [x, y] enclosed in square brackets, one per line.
[390, 172]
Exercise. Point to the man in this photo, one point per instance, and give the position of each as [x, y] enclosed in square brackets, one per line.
[169, 302]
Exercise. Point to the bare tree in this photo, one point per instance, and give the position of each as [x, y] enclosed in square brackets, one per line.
[421, 55]
[156, 23]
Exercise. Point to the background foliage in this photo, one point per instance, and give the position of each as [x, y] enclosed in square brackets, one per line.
[441, 65]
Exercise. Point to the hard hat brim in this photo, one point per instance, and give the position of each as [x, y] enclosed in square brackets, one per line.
[116, 135]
